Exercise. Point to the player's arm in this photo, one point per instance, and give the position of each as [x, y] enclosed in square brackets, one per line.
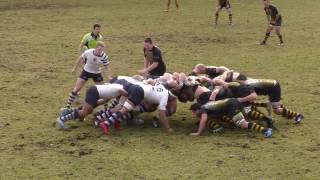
[221, 69]
[77, 63]
[152, 66]
[202, 124]
[214, 93]
[83, 43]
[146, 63]
[250, 98]
[123, 92]
[107, 69]
[163, 112]
[164, 120]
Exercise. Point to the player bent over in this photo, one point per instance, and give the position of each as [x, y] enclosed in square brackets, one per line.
[272, 89]
[230, 108]
[93, 95]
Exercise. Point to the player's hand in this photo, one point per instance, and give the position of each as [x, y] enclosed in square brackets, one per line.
[169, 130]
[73, 70]
[194, 134]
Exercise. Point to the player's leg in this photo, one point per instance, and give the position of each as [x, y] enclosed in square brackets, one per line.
[177, 4]
[91, 100]
[278, 24]
[79, 85]
[278, 32]
[236, 116]
[229, 10]
[275, 97]
[268, 31]
[216, 15]
[168, 5]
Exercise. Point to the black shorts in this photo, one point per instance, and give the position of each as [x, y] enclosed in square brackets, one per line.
[158, 71]
[224, 5]
[277, 22]
[217, 109]
[92, 96]
[152, 77]
[135, 94]
[275, 93]
[96, 77]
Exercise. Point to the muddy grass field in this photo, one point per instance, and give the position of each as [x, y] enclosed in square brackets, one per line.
[39, 42]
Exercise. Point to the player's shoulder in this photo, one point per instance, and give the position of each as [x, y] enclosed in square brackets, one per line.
[156, 48]
[88, 51]
[86, 36]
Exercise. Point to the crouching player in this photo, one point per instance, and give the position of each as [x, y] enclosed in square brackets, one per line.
[93, 95]
[230, 108]
[272, 89]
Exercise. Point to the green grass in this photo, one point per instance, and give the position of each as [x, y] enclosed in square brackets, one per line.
[38, 47]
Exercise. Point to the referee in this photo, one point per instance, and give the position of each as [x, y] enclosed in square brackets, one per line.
[89, 40]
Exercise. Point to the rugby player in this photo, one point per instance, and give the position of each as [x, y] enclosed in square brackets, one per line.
[274, 21]
[92, 60]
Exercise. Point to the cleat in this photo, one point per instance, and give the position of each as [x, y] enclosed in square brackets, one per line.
[61, 124]
[281, 44]
[298, 118]
[105, 128]
[155, 122]
[263, 43]
[268, 133]
[117, 125]
[137, 121]
[218, 129]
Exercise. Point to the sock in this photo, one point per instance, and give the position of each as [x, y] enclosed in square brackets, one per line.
[289, 113]
[71, 99]
[256, 127]
[259, 104]
[230, 18]
[114, 117]
[256, 115]
[216, 20]
[266, 37]
[280, 38]
[72, 115]
[114, 103]
[211, 124]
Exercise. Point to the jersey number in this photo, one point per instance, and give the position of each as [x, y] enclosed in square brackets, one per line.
[157, 89]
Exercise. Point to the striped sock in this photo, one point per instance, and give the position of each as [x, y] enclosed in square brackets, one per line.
[71, 98]
[72, 115]
[256, 127]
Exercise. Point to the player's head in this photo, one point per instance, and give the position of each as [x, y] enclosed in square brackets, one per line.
[96, 29]
[195, 108]
[266, 3]
[199, 69]
[100, 47]
[187, 93]
[148, 44]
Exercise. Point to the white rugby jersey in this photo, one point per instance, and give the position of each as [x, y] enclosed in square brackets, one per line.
[94, 62]
[129, 79]
[109, 91]
[156, 94]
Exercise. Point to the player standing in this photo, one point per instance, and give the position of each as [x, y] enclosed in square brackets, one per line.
[223, 4]
[274, 20]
